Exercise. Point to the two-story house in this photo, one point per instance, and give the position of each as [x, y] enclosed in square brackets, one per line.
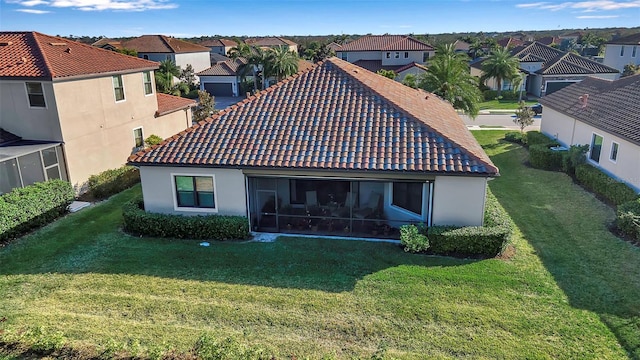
[219, 46]
[622, 51]
[71, 110]
[271, 42]
[388, 52]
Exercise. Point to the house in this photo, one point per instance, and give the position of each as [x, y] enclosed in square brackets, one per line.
[546, 69]
[219, 46]
[334, 46]
[549, 40]
[623, 51]
[160, 48]
[603, 114]
[71, 110]
[510, 42]
[388, 52]
[460, 46]
[335, 149]
[271, 42]
[413, 68]
[108, 44]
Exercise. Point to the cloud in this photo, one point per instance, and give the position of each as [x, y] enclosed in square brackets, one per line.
[33, 11]
[585, 6]
[597, 16]
[102, 5]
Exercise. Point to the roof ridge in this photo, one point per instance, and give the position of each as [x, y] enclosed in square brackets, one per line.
[44, 58]
[164, 40]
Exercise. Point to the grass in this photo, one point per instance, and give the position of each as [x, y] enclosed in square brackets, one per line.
[571, 291]
[503, 104]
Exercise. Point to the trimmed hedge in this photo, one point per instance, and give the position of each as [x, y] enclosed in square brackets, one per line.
[595, 180]
[210, 227]
[505, 95]
[488, 240]
[542, 157]
[516, 137]
[24, 209]
[628, 218]
[113, 181]
[538, 138]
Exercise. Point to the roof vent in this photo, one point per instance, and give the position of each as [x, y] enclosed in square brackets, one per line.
[68, 51]
[58, 44]
[5, 43]
[583, 99]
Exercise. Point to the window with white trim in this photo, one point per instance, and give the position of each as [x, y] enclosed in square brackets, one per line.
[406, 54]
[622, 50]
[596, 147]
[397, 55]
[35, 94]
[138, 137]
[118, 87]
[633, 51]
[195, 191]
[388, 55]
[408, 196]
[425, 56]
[613, 155]
[148, 84]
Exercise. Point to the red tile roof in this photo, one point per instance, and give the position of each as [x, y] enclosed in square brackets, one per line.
[375, 65]
[386, 43]
[169, 103]
[409, 66]
[219, 42]
[269, 41]
[633, 39]
[35, 55]
[509, 41]
[334, 116]
[162, 44]
[225, 68]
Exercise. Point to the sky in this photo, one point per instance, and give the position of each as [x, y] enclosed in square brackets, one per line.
[191, 18]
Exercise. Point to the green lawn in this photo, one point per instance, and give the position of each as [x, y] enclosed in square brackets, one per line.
[571, 291]
[503, 104]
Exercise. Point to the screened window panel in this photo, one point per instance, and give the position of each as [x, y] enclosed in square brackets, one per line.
[9, 176]
[408, 196]
[53, 173]
[31, 168]
[49, 157]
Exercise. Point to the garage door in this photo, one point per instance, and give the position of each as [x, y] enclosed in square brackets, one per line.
[219, 89]
[555, 86]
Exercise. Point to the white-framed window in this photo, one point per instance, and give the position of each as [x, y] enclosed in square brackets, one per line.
[425, 56]
[138, 137]
[406, 54]
[118, 87]
[148, 84]
[596, 147]
[35, 93]
[621, 50]
[397, 55]
[408, 196]
[633, 51]
[613, 154]
[194, 191]
[388, 55]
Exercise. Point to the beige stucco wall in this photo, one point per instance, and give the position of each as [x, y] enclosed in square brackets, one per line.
[459, 200]
[158, 190]
[612, 56]
[198, 60]
[29, 123]
[570, 132]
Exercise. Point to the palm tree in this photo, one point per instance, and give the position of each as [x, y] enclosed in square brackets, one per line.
[501, 65]
[281, 62]
[476, 48]
[164, 76]
[242, 50]
[448, 77]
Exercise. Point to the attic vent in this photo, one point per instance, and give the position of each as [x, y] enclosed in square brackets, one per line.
[5, 43]
[58, 44]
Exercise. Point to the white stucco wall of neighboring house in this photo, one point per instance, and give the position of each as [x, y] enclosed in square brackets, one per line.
[353, 56]
[413, 70]
[19, 118]
[158, 190]
[233, 80]
[157, 56]
[571, 132]
[198, 60]
[629, 55]
[459, 200]
[413, 56]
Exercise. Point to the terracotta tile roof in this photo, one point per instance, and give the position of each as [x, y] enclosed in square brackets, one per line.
[217, 58]
[612, 106]
[633, 39]
[106, 42]
[334, 46]
[386, 43]
[548, 40]
[35, 55]
[571, 63]
[538, 51]
[226, 68]
[162, 44]
[304, 65]
[375, 65]
[334, 116]
[169, 103]
[7, 138]
[219, 42]
[269, 41]
[409, 66]
[509, 41]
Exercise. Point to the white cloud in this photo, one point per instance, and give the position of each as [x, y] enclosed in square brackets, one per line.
[597, 16]
[101, 5]
[530, 5]
[585, 6]
[33, 11]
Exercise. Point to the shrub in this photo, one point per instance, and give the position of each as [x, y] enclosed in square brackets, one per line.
[113, 181]
[487, 240]
[412, 240]
[538, 138]
[574, 157]
[611, 190]
[628, 218]
[210, 227]
[542, 157]
[24, 209]
[516, 137]
[153, 140]
[504, 95]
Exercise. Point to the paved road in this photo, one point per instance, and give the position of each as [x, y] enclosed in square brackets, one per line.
[503, 121]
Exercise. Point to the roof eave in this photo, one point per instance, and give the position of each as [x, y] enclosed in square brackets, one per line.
[97, 75]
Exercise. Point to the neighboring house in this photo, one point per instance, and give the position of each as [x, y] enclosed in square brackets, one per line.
[336, 149]
[219, 46]
[217, 59]
[108, 44]
[549, 40]
[334, 46]
[510, 42]
[389, 52]
[604, 115]
[71, 110]
[546, 69]
[160, 48]
[461, 46]
[271, 42]
[622, 51]
[413, 68]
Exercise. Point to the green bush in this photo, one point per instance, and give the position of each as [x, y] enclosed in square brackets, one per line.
[412, 240]
[542, 157]
[538, 138]
[628, 218]
[516, 137]
[487, 240]
[574, 157]
[24, 209]
[113, 181]
[611, 190]
[153, 140]
[210, 227]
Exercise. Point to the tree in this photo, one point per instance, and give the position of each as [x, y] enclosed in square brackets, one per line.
[501, 65]
[476, 49]
[280, 62]
[410, 80]
[630, 69]
[316, 51]
[387, 73]
[524, 116]
[241, 50]
[206, 106]
[164, 76]
[188, 75]
[448, 77]
[131, 52]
